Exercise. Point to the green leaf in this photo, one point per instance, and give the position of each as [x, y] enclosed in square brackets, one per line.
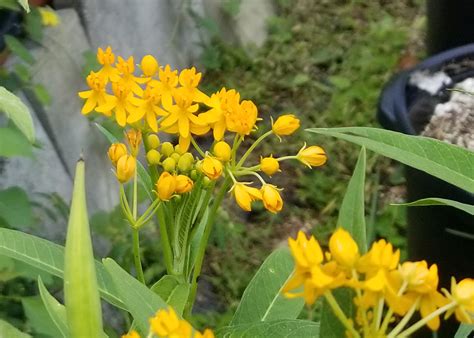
[17, 48]
[18, 112]
[141, 302]
[330, 325]
[448, 162]
[56, 311]
[464, 330]
[25, 5]
[14, 143]
[49, 257]
[42, 94]
[15, 208]
[38, 317]
[439, 201]
[81, 292]
[262, 299]
[174, 293]
[33, 25]
[274, 329]
[9, 331]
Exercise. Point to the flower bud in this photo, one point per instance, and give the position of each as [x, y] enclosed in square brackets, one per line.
[285, 125]
[271, 198]
[167, 149]
[166, 186]
[134, 138]
[343, 248]
[222, 151]
[313, 156]
[153, 141]
[126, 166]
[194, 174]
[178, 150]
[149, 65]
[185, 162]
[175, 157]
[116, 151]
[245, 195]
[153, 156]
[211, 167]
[183, 184]
[169, 164]
[463, 294]
[269, 165]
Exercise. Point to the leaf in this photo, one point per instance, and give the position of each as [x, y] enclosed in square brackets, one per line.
[174, 293]
[450, 163]
[18, 112]
[464, 330]
[38, 317]
[15, 208]
[14, 143]
[56, 311]
[49, 257]
[141, 302]
[330, 325]
[81, 293]
[262, 299]
[274, 329]
[17, 48]
[42, 94]
[439, 201]
[9, 331]
[24, 4]
[34, 25]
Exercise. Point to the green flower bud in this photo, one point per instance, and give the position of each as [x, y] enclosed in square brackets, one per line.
[185, 162]
[175, 156]
[167, 149]
[193, 175]
[206, 181]
[153, 141]
[177, 149]
[153, 156]
[169, 164]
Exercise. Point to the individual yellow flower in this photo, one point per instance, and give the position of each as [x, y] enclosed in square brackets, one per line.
[242, 118]
[285, 125]
[96, 96]
[271, 198]
[182, 120]
[269, 165]
[48, 17]
[312, 156]
[245, 195]
[131, 334]
[212, 167]
[463, 294]
[166, 85]
[116, 151]
[189, 80]
[134, 138]
[126, 68]
[106, 59]
[149, 65]
[222, 104]
[148, 107]
[183, 184]
[120, 103]
[343, 248]
[166, 186]
[126, 166]
[166, 323]
[222, 151]
[206, 334]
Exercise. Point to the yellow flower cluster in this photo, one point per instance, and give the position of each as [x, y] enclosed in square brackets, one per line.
[167, 324]
[161, 99]
[383, 288]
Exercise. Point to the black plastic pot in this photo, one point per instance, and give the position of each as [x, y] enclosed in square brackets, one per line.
[438, 234]
[10, 23]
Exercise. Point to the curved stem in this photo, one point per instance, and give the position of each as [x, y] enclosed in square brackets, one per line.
[404, 320]
[197, 147]
[390, 311]
[203, 246]
[340, 314]
[252, 147]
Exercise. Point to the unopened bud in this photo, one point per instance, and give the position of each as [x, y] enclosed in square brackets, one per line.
[166, 186]
[269, 165]
[126, 166]
[183, 184]
[175, 156]
[167, 149]
[153, 141]
[153, 156]
[212, 167]
[185, 162]
[169, 164]
[116, 151]
[222, 151]
[178, 149]
[134, 138]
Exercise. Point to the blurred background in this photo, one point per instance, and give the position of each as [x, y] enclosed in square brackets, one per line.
[324, 60]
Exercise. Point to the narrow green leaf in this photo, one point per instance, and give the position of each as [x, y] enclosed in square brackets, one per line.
[42, 94]
[174, 293]
[425, 202]
[34, 25]
[448, 162]
[56, 310]
[14, 143]
[49, 257]
[25, 5]
[81, 293]
[141, 302]
[262, 299]
[274, 329]
[17, 48]
[18, 112]
[38, 318]
[15, 208]
[464, 331]
[9, 331]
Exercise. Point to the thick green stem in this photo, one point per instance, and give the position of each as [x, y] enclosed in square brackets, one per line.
[136, 256]
[165, 242]
[203, 245]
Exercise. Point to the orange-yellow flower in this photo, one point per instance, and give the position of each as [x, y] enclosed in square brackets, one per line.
[222, 151]
[149, 65]
[312, 156]
[245, 195]
[222, 103]
[106, 59]
[242, 118]
[463, 294]
[343, 248]
[183, 184]
[126, 69]
[269, 165]
[116, 151]
[189, 80]
[166, 323]
[271, 198]
[166, 85]
[134, 138]
[211, 167]
[96, 96]
[120, 103]
[166, 186]
[148, 107]
[286, 125]
[126, 166]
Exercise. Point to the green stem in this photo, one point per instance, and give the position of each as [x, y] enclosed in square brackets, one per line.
[252, 147]
[237, 140]
[340, 314]
[197, 147]
[165, 242]
[389, 314]
[404, 320]
[425, 320]
[136, 256]
[203, 245]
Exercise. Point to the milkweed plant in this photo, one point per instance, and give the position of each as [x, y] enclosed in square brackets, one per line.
[187, 150]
